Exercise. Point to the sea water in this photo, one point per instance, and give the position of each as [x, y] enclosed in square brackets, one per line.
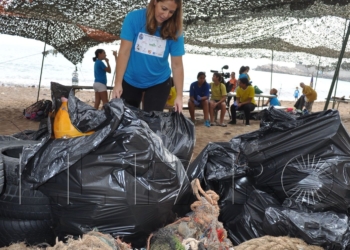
[21, 59]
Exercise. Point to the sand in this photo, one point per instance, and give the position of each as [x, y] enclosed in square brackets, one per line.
[14, 99]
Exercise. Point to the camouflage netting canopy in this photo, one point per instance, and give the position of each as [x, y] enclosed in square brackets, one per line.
[247, 28]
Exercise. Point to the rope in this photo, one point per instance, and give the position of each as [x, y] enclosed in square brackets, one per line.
[276, 243]
[20, 58]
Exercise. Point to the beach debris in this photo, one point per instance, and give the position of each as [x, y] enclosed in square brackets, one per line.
[270, 242]
[200, 230]
[91, 240]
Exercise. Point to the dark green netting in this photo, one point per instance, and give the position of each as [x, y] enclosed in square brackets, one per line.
[234, 28]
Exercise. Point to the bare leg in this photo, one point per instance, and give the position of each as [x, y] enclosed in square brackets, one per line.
[222, 113]
[191, 109]
[97, 100]
[211, 110]
[205, 105]
[104, 97]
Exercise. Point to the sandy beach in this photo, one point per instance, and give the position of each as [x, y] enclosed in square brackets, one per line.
[14, 99]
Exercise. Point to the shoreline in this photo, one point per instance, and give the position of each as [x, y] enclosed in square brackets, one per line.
[44, 87]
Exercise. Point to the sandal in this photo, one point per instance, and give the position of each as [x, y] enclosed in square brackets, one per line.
[222, 124]
[213, 124]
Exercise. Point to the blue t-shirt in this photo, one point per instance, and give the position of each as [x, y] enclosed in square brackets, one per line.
[296, 93]
[195, 90]
[100, 72]
[274, 102]
[148, 63]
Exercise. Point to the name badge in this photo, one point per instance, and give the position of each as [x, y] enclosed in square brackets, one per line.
[150, 45]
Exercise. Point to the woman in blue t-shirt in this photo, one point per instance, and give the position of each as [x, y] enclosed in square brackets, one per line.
[100, 69]
[148, 37]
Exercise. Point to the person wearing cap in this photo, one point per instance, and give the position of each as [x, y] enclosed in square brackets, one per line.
[199, 97]
[310, 95]
[245, 100]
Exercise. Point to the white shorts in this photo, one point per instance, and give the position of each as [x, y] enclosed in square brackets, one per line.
[100, 87]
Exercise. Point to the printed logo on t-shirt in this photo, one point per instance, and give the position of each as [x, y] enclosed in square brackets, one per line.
[150, 45]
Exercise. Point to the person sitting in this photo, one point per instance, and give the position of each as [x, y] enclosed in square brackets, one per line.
[273, 101]
[217, 100]
[199, 96]
[245, 100]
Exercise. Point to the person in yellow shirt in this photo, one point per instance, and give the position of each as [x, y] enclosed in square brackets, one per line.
[218, 99]
[310, 96]
[245, 100]
[172, 95]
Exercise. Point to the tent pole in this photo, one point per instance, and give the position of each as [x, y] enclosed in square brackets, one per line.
[42, 61]
[335, 92]
[112, 84]
[318, 69]
[336, 73]
[271, 70]
[41, 71]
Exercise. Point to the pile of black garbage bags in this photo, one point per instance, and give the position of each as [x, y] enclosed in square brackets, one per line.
[132, 176]
[289, 178]
[123, 179]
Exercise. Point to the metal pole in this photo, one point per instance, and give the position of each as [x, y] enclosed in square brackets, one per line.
[318, 69]
[42, 61]
[336, 73]
[112, 84]
[271, 70]
[335, 92]
[336, 84]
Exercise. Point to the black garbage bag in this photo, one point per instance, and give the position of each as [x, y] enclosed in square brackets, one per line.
[120, 179]
[300, 103]
[175, 130]
[272, 117]
[35, 135]
[85, 117]
[220, 167]
[57, 91]
[306, 159]
[249, 224]
[263, 215]
[326, 229]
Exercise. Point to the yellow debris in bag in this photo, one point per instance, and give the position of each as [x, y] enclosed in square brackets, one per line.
[63, 128]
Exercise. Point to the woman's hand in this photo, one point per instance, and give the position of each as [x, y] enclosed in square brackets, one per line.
[117, 91]
[178, 104]
[106, 59]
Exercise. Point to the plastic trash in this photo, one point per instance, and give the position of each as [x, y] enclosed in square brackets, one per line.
[305, 158]
[121, 179]
[63, 128]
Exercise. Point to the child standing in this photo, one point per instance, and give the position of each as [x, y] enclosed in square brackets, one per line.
[296, 93]
[100, 70]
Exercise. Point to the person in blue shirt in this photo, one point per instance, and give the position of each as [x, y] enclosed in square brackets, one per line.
[199, 97]
[296, 93]
[273, 101]
[148, 37]
[100, 83]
